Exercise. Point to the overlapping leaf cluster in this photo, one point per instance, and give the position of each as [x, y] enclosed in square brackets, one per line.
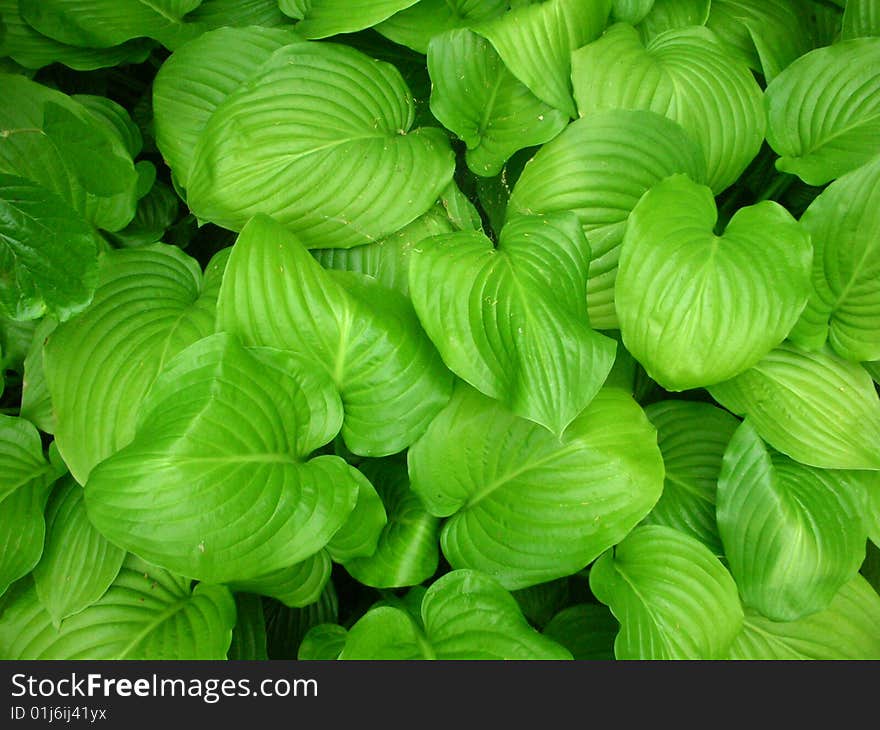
[440, 329]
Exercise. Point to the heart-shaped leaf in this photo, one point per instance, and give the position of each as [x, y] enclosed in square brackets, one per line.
[275, 294]
[464, 615]
[419, 23]
[674, 599]
[227, 431]
[696, 308]
[512, 321]
[525, 506]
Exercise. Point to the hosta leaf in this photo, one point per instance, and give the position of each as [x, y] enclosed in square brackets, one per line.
[408, 549]
[275, 294]
[419, 23]
[812, 406]
[630, 11]
[823, 111]
[319, 138]
[692, 437]
[474, 95]
[48, 253]
[674, 599]
[147, 613]
[793, 534]
[847, 629]
[155, 214]
[684, 75]
[860, 18]
[587, 630]
[115, 119]
[844, 307]
[696, 308]
[286, 627]
[464, 615]
[540, 602]
[150, 303]
[323, 642]
[78, 563]
[249, 636]
[535, 42]
[323, 18]
[525, 506]
[599, 167]
[296, 586]
[227, 431]
[36, 403]
[673, 15]
[512, 321]
[360, 534]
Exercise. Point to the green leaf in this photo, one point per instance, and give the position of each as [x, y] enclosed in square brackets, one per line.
[78, 563]
[48, 253]
[286, 627]
[408, 548]
[512, 321]
[674, 599]
[793, 535]
[36, 403]
[296, 585]
[275, 294]
[150, 304]
[525, 506]
[249, 634]
[587, 630]
[419, 23]
[685, 75]
[21, 457]
[115, 119]
[225, 431]
[540, 602]
[630, 11]
[673, 15]
[860, 18]
[474, 95]
[323, 18]
[598, 168]
[696, 308]
[536, 41]
[812, 406]
[279, 145]
[323, 642]
[155, 214]
[360, 534]
[464, 615]
[147, 613]
[692, 437]
[823, 111]
[844, 305]
[847, 629]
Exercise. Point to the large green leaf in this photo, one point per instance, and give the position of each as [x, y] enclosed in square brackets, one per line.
[320, 138]
[78, 563]
[217, 483]
[860, 18]
[147, 613]
[587, 630]
[692, 437]
[697, 308]
[464, 615]
[823, 111]
[48, 253]
[844, 306]
[674, 599]
[793, 534]
[150, 303]
[418, 24]
[599, 167]
[367, 337]
[684, 75]
[812, 406]
[847, 629]
[512, 321]
[477, 97]
[535, 42]
[323, 18]
[525, 506]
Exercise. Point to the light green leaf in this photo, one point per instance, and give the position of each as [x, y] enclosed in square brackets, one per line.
[512, 321]
[598, 168]
[408, 549]
[823, 111]
[793, 535]
[115, 119]
[674, 599]
[812, 406]
[847, 629]
[323, 18]
[296, 585]
[844, 306]
[587, 630]
[226, 431]
[697, 308]
[36, 403]
[535, 42]
[249, 634]
[419, 23]
[692, 437]
[275, 294]
[319, 138]
[860, 18]
[525, 506]
[147, 613]
[464, 615]
[149, 305]
[474, 95]
[323, 642]
[673, 15]
[360, 534]
[21, 456]
[685, 75]
[630, 11]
